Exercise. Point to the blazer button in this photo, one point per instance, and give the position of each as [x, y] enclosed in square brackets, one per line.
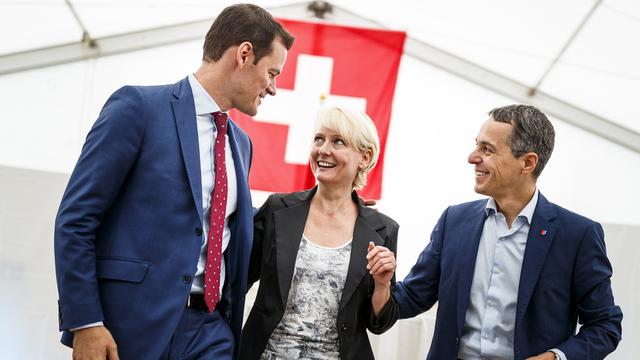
[457, 340]
[186, 279]
[344, 327]
[198, 231]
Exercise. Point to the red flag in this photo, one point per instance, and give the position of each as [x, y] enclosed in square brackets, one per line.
[328, 64]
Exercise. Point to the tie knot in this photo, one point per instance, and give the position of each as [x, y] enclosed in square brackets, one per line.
[220, 119]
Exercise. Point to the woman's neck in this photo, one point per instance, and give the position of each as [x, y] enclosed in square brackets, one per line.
[332, 201]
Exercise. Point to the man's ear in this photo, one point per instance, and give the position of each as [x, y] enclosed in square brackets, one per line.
[244, 54]
[530, 161]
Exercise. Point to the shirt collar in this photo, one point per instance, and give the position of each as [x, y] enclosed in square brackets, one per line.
[203, 102]
[527, 212]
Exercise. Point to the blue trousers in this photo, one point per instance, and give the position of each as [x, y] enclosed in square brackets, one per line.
[200, 335]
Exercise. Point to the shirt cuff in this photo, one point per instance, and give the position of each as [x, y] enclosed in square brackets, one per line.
[560, 353]
[99, 323]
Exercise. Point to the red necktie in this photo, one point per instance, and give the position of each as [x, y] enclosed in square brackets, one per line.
[217, 212]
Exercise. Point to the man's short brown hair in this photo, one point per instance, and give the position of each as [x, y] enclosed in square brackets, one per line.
[244, 22]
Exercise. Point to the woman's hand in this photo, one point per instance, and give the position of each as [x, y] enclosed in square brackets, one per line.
[381, 264]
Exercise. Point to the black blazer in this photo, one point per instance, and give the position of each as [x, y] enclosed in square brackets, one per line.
[278, 228]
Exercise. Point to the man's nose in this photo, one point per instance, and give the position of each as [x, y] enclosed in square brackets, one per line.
[474, 158]
[271, 89]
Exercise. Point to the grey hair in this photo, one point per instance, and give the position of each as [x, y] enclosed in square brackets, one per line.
[532, 132]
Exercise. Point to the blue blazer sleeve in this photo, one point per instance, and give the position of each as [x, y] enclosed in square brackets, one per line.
[110, 150]
[600, 318]
[418, 292]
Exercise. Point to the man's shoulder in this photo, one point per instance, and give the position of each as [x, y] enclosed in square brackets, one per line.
[468, 207]
[564, 214]
[152, 91]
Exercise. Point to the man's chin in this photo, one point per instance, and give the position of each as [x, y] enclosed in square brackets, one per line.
[251, 112]
[479, 190]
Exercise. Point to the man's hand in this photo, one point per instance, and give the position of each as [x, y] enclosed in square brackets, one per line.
[381, 264]
[94, 343]
[544, 356]
[368, 202]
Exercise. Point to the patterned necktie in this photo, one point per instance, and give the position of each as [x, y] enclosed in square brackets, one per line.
[217, 212]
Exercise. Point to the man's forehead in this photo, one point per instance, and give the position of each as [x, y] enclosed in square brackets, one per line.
[493, 132]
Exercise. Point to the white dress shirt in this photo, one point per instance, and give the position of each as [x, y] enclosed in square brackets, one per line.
[207, 132]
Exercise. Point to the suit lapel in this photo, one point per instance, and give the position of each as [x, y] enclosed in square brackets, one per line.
[289, 226]
[468, 237]
[541, 234]
[241, 167]
[367, 224]
[184, 114]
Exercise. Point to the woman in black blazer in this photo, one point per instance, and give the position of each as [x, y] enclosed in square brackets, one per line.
[317, 297]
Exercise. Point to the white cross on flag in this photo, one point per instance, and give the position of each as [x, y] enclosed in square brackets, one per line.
[328, 65]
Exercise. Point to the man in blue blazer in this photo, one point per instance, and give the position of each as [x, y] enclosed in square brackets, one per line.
[134, 227]
[513, 273]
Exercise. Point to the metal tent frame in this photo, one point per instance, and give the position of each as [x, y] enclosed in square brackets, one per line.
[90, 48]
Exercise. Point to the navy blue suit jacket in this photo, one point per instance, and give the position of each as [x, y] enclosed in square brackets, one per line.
[565, 278]
[129, 229]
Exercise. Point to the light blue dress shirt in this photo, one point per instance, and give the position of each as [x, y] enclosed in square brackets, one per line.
[489, 325]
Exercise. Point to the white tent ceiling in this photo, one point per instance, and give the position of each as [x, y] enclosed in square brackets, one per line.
[582, 52]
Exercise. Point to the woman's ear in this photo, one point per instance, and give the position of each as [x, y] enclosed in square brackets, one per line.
[366, 159]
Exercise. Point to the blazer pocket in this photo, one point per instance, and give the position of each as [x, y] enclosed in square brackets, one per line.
[122, 269]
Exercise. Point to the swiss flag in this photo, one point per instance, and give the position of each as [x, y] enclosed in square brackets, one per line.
[328, 65]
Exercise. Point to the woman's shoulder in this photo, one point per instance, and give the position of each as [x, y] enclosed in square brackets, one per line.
[379, 219]
[280, 200]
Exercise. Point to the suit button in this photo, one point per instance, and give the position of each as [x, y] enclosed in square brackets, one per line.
[344, 327]
[457, 340]
[198, 231]
[186, 279]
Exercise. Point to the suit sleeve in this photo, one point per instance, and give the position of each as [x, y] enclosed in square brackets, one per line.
[600, 318]
[259, 224]
[419, 290]
[109, 152]
[389, 313]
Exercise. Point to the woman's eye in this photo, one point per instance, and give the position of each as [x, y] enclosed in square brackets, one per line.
[338, 142]
[317, 140]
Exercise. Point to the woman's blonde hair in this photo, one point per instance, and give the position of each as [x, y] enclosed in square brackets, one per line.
[359, 132]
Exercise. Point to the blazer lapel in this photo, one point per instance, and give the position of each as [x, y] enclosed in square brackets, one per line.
[289, 226]
[241, 167]
[367, 224]
[184, 114]
[541, 234]
[468, 237]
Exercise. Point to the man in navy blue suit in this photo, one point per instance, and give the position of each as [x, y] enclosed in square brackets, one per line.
[135, 231]
[513, 274]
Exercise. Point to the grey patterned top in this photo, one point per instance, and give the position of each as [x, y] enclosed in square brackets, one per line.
[308, 329]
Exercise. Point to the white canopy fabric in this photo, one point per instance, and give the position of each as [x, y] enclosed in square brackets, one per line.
[598, 71]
